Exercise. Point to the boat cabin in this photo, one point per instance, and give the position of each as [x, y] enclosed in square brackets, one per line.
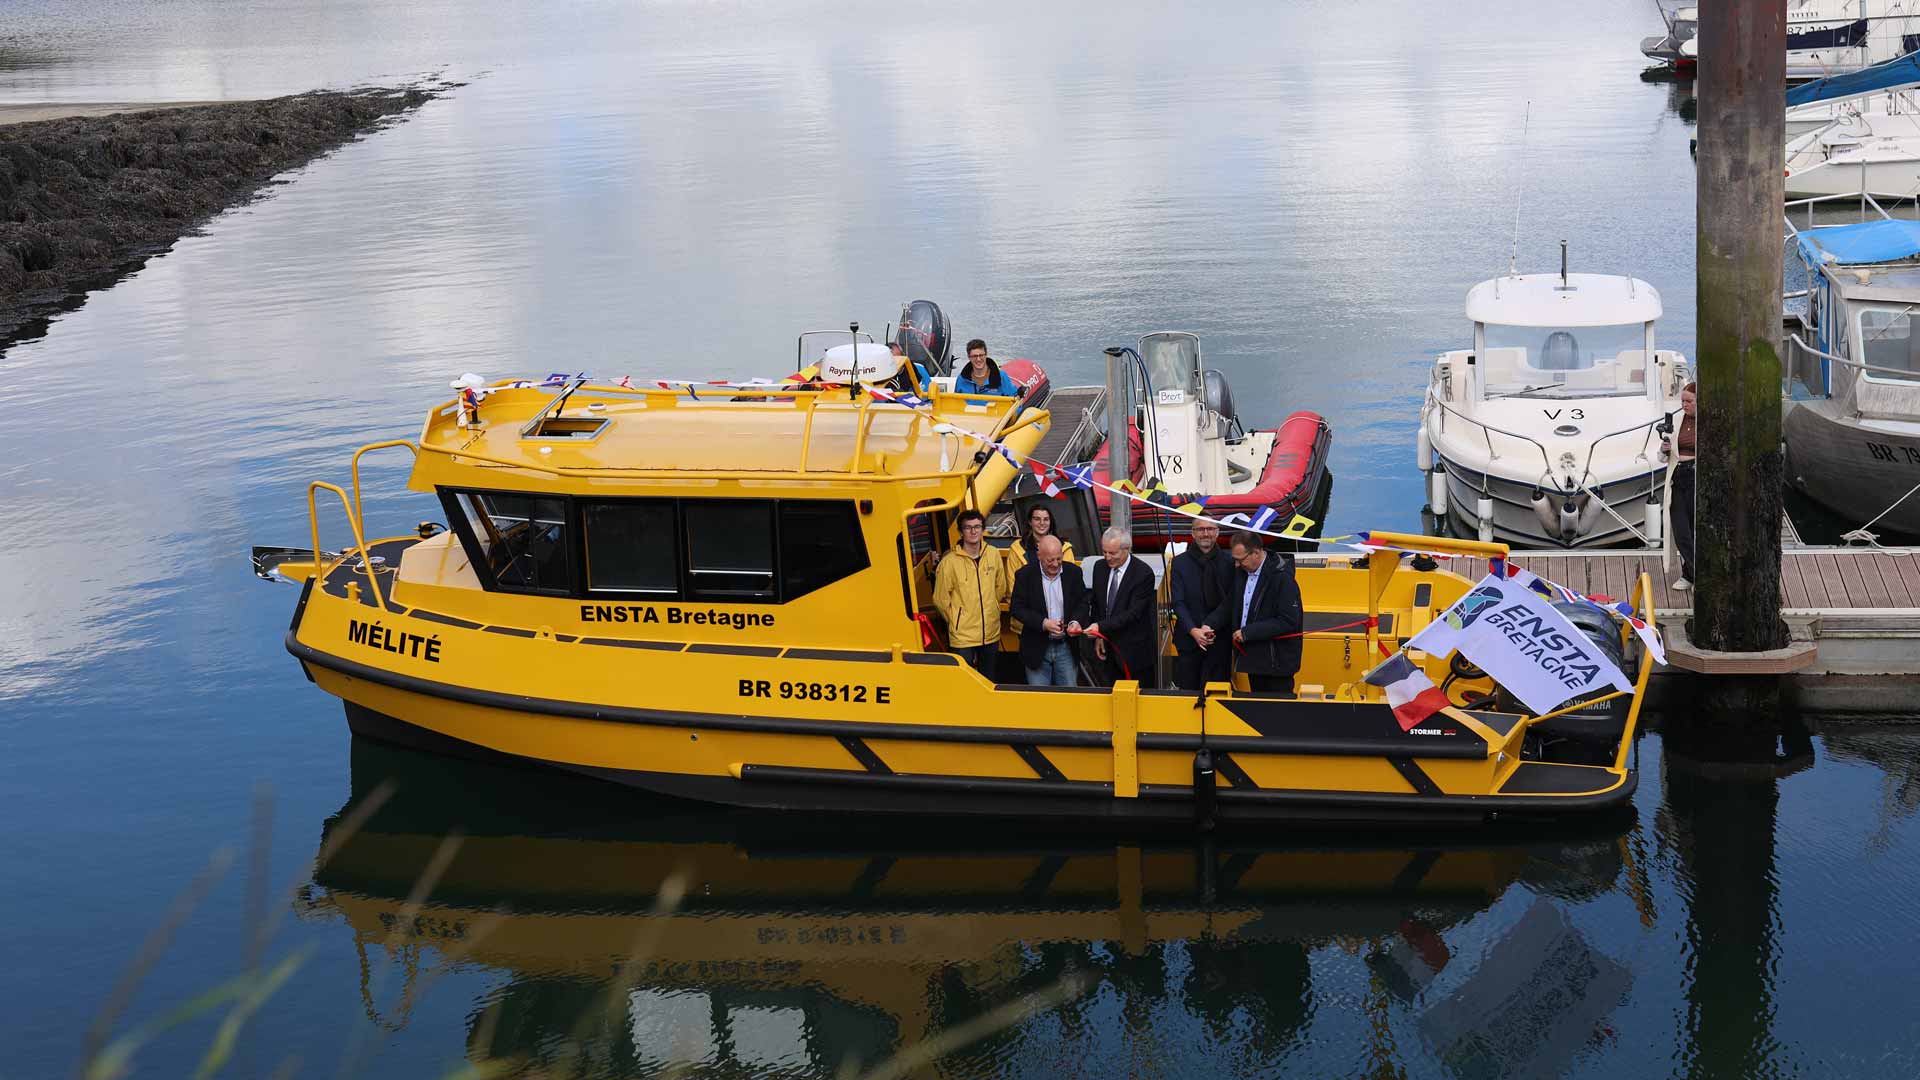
[1864, 285]
[1554, 336]
[735, 514]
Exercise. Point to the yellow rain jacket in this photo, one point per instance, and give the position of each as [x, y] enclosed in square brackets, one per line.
[968, 590]
[1017, 555]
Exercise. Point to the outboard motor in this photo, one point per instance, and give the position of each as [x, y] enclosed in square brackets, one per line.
[1590, 735]
[1219, 397]
[925, 336]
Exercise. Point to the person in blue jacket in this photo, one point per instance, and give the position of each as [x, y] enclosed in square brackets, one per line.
[981, 375]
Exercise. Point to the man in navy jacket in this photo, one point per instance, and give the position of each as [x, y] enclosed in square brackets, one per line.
[1200, 578]
[1261, 616]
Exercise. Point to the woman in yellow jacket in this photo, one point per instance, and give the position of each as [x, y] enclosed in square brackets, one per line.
[1039, 524]
[967, 588]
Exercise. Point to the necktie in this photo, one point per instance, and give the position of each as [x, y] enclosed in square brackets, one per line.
[1113, 586]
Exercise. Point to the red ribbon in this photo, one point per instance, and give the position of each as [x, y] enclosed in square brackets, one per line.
[1125, 671]
[1369, 622]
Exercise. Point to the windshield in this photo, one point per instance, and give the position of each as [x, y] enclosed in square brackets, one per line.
[1887, 342]
[1583, 361]
[1173, 361]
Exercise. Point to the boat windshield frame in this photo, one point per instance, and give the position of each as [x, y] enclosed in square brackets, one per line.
[1504, 375]
[1859, 346]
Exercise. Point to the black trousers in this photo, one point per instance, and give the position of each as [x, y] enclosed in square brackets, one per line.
[1681, 502]
[983, 658]
[1196, 668]
[1268, 684]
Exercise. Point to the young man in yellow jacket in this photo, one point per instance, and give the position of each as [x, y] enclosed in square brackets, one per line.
[967, 589]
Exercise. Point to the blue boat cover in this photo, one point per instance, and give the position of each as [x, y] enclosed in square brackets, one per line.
[1862, 244]
[1899, 71]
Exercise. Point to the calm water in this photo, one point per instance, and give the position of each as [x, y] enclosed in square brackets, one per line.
[677, 190]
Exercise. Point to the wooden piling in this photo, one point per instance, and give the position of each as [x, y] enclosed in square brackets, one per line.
[1740, 193]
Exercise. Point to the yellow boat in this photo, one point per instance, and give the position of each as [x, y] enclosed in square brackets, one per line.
[721, 593]
[872, 938]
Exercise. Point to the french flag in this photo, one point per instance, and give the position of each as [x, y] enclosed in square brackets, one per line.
[1412, 695]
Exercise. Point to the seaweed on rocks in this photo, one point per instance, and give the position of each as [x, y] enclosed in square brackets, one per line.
[84, 200]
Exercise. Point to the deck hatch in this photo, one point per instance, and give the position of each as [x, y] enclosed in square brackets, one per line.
[585, 428]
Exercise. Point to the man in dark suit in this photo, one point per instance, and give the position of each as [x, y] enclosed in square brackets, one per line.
[1120, 609]
[1200, 578]
[1047, 595]
[1261, 609]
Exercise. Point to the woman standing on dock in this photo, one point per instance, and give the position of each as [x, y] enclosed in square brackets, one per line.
[1680, 488]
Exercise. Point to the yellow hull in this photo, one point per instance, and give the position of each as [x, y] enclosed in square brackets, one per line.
[913, 732]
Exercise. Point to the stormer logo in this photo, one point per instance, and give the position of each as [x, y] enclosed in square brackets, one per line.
[1463, 614]
[1557, 654]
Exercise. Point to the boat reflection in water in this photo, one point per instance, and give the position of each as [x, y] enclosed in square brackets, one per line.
[795, 952]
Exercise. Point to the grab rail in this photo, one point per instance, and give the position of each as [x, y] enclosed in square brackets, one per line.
[408, 443]
[1007, 423]
[359, 539]
[1644, 602]
[1546, 460]
[1850, 402]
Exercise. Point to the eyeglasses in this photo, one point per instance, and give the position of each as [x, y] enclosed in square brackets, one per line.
[976, 356]
[971, 525]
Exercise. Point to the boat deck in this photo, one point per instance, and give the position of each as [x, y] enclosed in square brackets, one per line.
[1066, 405]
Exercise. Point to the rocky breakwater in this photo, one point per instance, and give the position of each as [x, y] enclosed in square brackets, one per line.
[85, 199]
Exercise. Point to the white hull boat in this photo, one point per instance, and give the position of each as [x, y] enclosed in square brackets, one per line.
[1824, 37]
[1546, 433]
[1874, 152]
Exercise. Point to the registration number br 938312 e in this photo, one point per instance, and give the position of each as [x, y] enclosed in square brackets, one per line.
[791, 690]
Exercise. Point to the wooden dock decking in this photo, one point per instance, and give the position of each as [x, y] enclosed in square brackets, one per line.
[1861, 606]
[1811, 579]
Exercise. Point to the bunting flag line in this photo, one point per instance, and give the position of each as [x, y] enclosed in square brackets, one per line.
[558, 378]
[1263, 518]
[1297, 528]
[1044, 473]
[625, 383]
[1080, 476]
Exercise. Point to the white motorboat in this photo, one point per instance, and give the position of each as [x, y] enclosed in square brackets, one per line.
[1545, 432]
[1824, 37]
[1852, 427]
[1869, 109]
[1856, 133]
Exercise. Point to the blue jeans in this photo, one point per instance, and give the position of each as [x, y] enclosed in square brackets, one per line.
[1056, 666]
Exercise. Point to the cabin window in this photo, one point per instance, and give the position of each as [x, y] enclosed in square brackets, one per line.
[630, 546]
[820, 543]
[729, 546]
[1886, 344]
[528, 542]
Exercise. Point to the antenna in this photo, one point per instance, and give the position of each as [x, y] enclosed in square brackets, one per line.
[1513, 253]
[1563, 264]
[853, 328]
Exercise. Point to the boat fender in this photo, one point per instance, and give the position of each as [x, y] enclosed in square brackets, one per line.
[1595, 506]
[1569, 523]
[1437, 489]
[1423, 449]
[1483, 509]
[1542, 509]
[1204, 792]
[1654, 520]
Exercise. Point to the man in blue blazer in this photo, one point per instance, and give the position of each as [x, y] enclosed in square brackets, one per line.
[1261, 616]
[1200, 578]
